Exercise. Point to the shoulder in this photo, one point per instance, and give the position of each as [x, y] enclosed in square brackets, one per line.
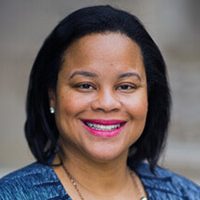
[167, 184]
[31, 182]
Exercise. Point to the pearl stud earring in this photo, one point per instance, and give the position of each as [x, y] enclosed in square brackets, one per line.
[52, 110]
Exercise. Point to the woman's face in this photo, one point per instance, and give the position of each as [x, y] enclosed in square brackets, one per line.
[101, 97]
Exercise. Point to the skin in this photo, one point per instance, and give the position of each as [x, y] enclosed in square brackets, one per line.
[114, 88]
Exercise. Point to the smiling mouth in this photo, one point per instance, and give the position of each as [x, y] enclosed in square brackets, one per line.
[101, 127]
[104, 125]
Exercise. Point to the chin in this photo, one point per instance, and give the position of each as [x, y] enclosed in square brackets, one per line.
[106, 156]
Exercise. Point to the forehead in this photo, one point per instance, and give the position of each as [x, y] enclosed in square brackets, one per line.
[100, 49]
[107, 40]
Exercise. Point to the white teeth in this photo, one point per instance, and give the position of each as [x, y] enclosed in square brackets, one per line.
[103, 127]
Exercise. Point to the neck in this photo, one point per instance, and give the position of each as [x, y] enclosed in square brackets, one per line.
[104, 177]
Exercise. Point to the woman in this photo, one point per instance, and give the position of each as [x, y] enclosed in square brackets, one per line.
[98, 108]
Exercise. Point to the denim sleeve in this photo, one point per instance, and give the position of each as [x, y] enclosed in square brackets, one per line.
[34, 182]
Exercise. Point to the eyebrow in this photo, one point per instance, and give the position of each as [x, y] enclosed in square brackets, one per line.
[83, 73]
[129, 74]
[93, 75]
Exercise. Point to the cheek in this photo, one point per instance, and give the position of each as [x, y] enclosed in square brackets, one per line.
[137, 106]
[70, 103]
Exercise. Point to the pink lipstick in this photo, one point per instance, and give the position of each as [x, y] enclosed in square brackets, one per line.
[104, 128]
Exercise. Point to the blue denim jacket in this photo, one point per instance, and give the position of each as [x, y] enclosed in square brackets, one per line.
[39, 182]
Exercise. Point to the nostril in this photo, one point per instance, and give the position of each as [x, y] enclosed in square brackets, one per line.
[106, 102]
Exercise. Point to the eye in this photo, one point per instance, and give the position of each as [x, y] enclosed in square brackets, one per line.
[127, 87]
[85, 86]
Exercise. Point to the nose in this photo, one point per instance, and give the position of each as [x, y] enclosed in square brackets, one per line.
[106, 101]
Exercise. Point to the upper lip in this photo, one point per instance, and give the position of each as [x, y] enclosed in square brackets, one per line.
[104, 122]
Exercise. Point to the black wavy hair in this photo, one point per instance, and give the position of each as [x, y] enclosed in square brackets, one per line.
[40, 128]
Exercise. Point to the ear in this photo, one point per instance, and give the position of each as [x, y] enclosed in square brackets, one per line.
[52, 98]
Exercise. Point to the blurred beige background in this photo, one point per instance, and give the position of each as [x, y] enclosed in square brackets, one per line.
[174, 25]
